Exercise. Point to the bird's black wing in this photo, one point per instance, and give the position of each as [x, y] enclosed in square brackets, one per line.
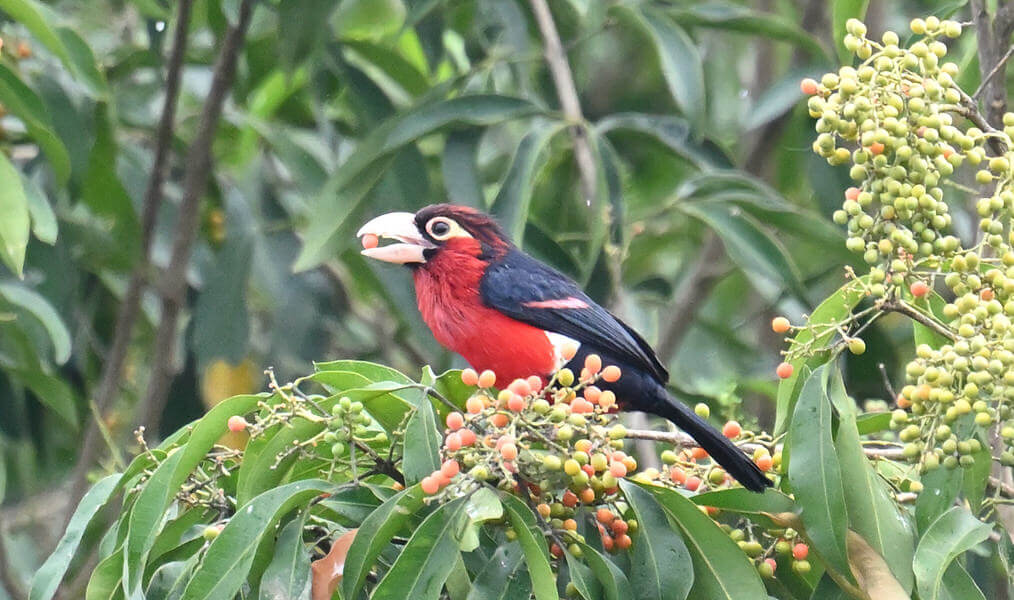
[527, 290]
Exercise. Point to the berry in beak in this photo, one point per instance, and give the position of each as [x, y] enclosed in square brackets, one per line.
[398, 226]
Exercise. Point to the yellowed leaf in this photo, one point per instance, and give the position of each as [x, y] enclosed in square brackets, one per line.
[871, 571]
[327, 572]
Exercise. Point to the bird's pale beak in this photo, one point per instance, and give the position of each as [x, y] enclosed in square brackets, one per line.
[398, 226]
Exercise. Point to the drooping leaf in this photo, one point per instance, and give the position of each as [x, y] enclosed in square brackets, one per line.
[950, 535]
[328, 571]
[288, 573]
[755, 506]
[33, 303]
[422, 442]
[872, 572]
[511, 203]
[503, 577]
[534, 545]
[16, 222]
[660, 563]
[25, 104]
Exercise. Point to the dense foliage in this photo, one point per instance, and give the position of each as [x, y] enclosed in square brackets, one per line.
[675, 182]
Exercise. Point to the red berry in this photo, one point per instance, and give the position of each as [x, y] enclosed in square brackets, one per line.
[780, 325]
[370, 241]
[556, 550]
[764, 462]
[619, 526]
[569, 499]
[592, 394]
[800, 551]
[771, 563]
[516, 403]
[919, 288]
[623, 541]
[986, 294]
[808, 86]
[440, 478]
[678, 475]
[784, 370]
[450, 468]
[605, 516]
[607, 543]
[581, 406]
[520, 387]
[455, 421]
[467, 437]
[487, 379]
[699, 453]
[732, 430]
[509, 451]
[499, 420]
[692, 483]
[618, 469]
[469, 377]
[611, 373]
[429, 485]
[237, 423]
[453, 442]
[852, 193]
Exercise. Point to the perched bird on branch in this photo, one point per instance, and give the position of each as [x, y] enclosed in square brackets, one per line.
[505, 311]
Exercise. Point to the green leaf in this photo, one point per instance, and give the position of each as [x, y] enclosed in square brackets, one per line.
[582, 578]
[422, 442]
[104, 583]
[932, 304]
[221, 320]
[16, 222]
[170, 579]
[349, 184]
[303, 24]
[815, 475]
[615, 584]
[842, 11]
[959, 585]
[533, 543]
[230, 555]
[659, 560]
[26, 105]
[872, 512]
[52, 391]
[779, 98]
[951, 534]
[374, 535]
[511, 203]
[680, 60]
[460, 168]
[399, 69]
[44, 225]
[47, 578]
[37, 306]
[832, 310]
[742, 501]
[39, 19]
[674, 132]
[426, 561]
[288, 574]
[483, 505]
[503, 577]
[721, 570]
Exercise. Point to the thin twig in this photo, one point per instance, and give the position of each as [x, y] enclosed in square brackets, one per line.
[996, 69]
[563, 80]
[887, 381]
[692, 294]
[902, 307]
[195, 180]
[112, 369]
[988, 47]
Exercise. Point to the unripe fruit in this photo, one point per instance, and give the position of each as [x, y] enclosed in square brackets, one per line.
[801, 567]
[857, 346]
[702, 410]
[211, 532]
[565, 377]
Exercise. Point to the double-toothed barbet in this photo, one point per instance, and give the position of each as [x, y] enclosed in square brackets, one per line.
[503, 310]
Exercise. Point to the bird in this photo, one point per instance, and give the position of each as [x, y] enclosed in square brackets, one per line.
[500, 309]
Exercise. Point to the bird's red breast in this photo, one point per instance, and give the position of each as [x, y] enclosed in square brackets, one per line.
[447, 291]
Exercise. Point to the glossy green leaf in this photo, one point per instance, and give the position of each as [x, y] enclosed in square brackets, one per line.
[422, 442]
[26, 105]
[842, 11]
[659, 560]
[230, 555]
[959, 585]
[44, 225]
[523, 520]
[170, 579]
[54, 392]
[288, 574]
[834, 309]
[721, 570]
[104, 583]
[951, 534]
[814, 472]
[615, 585]
[34, 304]
[751, 504]
[16, 222]
[47, 578]
[460, 169]
[735, 17]
[672, 131]
[374, 535]
[302, 24]
[511, 202]
[582, 577]
[425, 563]
[503, 577]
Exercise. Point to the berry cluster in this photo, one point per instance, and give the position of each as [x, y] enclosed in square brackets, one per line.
[905, 126]
[768, 547]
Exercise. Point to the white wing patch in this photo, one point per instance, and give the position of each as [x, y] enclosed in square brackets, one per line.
[558, 341]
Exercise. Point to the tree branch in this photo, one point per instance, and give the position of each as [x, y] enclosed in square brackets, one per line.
[989, 44]
[692, 294]
[198, 168]
[112, 370]
[904, 308]
[563, 80]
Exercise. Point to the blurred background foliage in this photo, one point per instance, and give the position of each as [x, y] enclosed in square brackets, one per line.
[703, 213]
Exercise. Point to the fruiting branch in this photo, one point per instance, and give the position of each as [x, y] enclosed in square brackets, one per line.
[900, 306]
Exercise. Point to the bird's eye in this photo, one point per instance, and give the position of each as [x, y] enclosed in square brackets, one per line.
[440, 228]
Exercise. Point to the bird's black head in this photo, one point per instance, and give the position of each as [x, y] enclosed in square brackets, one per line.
[433, 229]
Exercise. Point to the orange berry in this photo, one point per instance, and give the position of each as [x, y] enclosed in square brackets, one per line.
[237, 423]
[487, 379]
[590, 470]
[592, 394]
[520, 387]
[800, 551]
[370, 241]
[452, 442]
[441, 479]
[570, 525]
[516, 403]
[699, 453]
[732, 430]
[475, 404]
[903, 402]
[780, 325]
[611, 373]
[986, 294]
[581, 406]
[568, 350]
[509, 451]
[469, 377]
[605, 516]
[808, 86]
[450, 468]
[852, 193]
[677, 475]
[618, 469]
[630, 463]
[24, 50]
[455, 421]
[593, 362]
[535, 382]
[499, 420]
[619, 526]
[607, 400]
[587, 495]
[692, 483]
[544, 510]
[764, 462]
[876, 148]
[467, 437]
[429, 486]
[607, 543]
[569, 499]
[784, 370]
[919, 288]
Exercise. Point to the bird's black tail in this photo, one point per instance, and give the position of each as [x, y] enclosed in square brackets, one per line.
[717, 445]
